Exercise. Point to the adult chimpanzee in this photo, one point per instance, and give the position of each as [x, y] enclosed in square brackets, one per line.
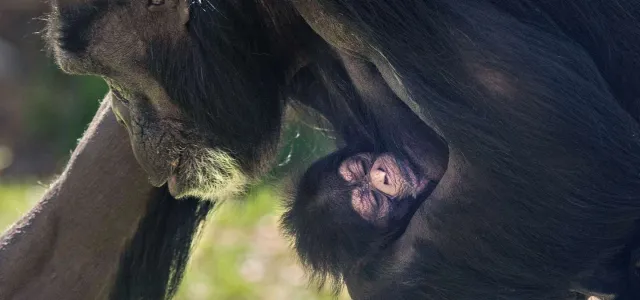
[536, 101]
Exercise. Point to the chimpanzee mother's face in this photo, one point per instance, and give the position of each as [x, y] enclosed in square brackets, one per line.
[184, 100]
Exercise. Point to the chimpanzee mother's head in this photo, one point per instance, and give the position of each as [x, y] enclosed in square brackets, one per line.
[179, 90]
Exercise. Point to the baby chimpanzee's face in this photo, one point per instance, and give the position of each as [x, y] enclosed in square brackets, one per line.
[380, 183]
[352, 205]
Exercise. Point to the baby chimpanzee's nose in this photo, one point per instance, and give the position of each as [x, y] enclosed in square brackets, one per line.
[385, 175]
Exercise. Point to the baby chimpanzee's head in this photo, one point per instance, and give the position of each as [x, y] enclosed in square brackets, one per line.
[349, 206]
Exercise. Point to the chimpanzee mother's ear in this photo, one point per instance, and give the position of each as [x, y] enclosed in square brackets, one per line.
[618, 280]
[181, 7]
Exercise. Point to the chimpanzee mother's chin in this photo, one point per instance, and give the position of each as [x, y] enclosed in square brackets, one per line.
[208, 174]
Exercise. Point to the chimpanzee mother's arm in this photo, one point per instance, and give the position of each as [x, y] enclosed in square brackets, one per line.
[69, 245]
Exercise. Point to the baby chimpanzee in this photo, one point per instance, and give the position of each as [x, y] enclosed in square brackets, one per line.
[381, 187]
[350, 206]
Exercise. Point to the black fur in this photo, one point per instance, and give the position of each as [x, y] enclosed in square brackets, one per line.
[155, 260]
[223, 75]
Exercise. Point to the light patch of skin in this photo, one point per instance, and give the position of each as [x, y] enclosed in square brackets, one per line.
[382, 175]
[210, 174]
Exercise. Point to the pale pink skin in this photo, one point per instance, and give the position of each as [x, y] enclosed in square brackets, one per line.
[384, 176]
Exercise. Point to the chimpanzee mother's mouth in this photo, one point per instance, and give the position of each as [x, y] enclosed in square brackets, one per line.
[174, 174]
[206, 173]
[173, 185]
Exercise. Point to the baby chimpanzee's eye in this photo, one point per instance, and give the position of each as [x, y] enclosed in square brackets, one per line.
[363, 165]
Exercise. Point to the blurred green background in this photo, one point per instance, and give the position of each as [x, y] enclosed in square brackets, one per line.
[241, 254]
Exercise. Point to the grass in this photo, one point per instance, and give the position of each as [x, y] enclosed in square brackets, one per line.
[15, 200]
[241, 253]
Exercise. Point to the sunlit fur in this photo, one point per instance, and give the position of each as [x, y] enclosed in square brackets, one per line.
[212, 174]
